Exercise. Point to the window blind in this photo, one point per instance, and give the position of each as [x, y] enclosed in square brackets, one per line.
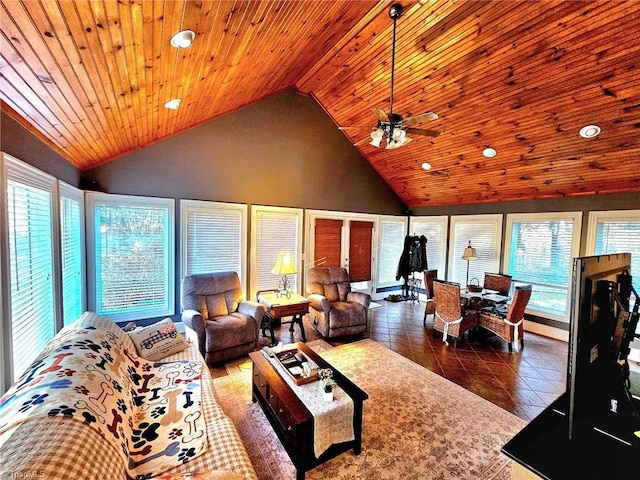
[391, 242]
[360, 237]
[435, 229]
[616, 236]
[213, 237]
[540, 252]
[484, 232]
[72, 252]
[31, 279]
[274, 231]
[133, 252]
[328, 242]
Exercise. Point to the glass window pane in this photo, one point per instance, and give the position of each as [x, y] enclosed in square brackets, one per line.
[72, 253]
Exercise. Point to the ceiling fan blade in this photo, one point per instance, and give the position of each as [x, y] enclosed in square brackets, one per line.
[362, 142]
[426, 133]
[381, 114]
[356, 126]
[425, 117]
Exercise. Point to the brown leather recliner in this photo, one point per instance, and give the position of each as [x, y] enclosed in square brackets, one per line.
[335, 310]
[217, 318]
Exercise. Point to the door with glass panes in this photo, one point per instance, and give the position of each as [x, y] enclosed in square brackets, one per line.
[344, 242]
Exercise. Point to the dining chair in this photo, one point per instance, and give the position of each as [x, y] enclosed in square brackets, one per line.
[497, 281]
[430, 306]
[449, 318]
[508, 325]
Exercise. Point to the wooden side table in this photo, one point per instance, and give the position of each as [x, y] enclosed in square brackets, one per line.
[277, 308]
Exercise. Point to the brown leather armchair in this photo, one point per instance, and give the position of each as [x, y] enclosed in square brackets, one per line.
[335, 310]
[216, 317]
[507, 322]
[450, 319]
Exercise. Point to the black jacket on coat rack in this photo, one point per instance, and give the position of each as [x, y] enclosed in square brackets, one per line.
[413, 258]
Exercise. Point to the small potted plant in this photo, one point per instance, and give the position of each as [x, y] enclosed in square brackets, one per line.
[327, 383]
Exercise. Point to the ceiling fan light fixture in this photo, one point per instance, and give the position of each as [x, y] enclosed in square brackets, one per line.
[173, 104]
[183, 39]
[590, 131]
[489, 152]
[376, 137]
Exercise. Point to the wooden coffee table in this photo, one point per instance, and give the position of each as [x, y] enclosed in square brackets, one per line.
[290, 418]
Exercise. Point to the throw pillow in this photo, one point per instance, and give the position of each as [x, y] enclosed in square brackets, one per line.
[217, 305]
[158, 340]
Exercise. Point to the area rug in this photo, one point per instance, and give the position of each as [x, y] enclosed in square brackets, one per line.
[417, 425]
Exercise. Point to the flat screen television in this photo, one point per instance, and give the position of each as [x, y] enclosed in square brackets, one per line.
[603, 324]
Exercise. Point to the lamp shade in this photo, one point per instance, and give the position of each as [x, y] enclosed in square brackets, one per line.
[469, 253]
[284, 265]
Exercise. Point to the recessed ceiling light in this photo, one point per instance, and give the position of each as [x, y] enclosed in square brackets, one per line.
[183, 39]
[489, 152]
[426, 166]
[590, 131]
[172, 104]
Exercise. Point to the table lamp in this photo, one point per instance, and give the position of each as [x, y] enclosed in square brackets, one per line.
[469, 254]
[284, 266]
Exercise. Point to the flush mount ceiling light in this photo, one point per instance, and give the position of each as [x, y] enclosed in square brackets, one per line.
[590, 131]
[489, 152]
[172, 104]
[183, 39]
[426, 166]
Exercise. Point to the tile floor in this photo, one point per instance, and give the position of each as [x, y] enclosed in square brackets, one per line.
[523, 383]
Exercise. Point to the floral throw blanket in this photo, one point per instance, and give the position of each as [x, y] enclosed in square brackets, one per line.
[149, 411]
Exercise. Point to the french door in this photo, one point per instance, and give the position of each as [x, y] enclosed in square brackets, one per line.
[338, 239]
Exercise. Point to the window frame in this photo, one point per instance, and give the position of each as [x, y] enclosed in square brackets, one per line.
[494, 218]
[414, 222]
[91, 199]
[404, 221]
[73, 193]
[609, 216]
[298, 213]
[576, 217]
[212, 207]
[11, 167]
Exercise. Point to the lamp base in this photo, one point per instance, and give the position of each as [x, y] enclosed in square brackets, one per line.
[283, 288]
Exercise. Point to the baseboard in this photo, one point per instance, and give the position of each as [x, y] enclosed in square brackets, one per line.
[546, 330]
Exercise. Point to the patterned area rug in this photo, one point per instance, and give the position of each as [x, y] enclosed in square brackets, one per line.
[417, 425]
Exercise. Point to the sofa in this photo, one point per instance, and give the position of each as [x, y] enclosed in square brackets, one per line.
[217, 318]
[334, 310]
[91, 407]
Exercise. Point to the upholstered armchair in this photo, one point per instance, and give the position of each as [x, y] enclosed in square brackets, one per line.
[450, 319]
[216, 317]
[506, 322]
[335, 310]
[430, 304]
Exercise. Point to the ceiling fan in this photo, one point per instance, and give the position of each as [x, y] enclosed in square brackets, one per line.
[392, 126]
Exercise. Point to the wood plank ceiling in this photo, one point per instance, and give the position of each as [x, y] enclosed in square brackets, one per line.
[91, 77]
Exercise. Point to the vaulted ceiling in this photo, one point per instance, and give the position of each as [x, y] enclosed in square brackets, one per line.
[91, 77]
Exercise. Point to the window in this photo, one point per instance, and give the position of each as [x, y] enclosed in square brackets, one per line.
[274, 230]
[435, 229]
[30, 233]
[72, 252]
[616, 232]
[484, 232]
[539, 250]
[131, 256]
[214, 237]
[391, 241]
